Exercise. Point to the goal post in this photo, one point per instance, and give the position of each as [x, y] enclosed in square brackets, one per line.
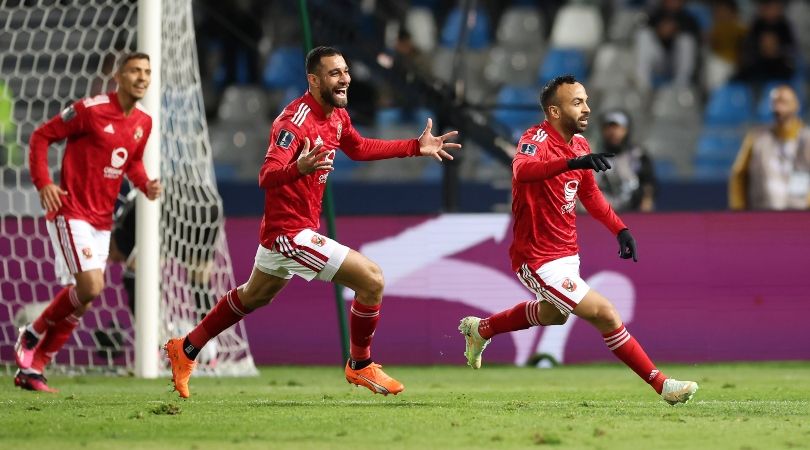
[58, 52]
[147, 225]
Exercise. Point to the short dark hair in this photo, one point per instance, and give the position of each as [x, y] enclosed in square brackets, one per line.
[127, 57]
[314, 56]
[548, 96]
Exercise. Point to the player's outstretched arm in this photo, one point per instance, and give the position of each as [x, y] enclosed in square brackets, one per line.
[596, 161]
[436, 146]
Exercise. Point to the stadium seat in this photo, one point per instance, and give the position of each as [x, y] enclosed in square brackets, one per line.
[623, 25]
[285, 68]
[507, 65]
[479, 34]
[730, 105]
[718, 145]
[612, 67]
[422, 26]
[577, 26]
[560, 61]
[665, 169]
[702, 13]
[243, 104]
[521, 26]
[526, 111]
[676, 104]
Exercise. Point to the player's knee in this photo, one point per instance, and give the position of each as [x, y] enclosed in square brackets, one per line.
[89, 289]
[607, 317]
[373, 285]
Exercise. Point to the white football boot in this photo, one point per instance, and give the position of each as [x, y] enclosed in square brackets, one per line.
[676, 391]
[475, 344]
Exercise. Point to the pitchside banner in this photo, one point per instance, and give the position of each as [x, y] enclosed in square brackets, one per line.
[707, 287]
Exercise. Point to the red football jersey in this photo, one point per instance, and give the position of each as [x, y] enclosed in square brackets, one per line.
[102, 145]
[292, 202]
[544, 193]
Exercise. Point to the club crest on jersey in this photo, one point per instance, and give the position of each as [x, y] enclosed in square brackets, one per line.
[528, 149]
[138, 133]
[569, 285]
[318, 240]
[68, 114]
[285, 138]
[339, 130]
[87, 253]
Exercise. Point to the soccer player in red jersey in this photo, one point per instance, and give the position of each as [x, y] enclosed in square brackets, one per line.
[106, 136]
[303, 142]
[553, 167]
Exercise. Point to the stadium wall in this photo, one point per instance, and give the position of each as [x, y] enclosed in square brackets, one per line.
[707, 287]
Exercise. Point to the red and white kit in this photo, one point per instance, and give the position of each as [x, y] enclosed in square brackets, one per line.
[544, 252]
[290, 243]
[103, 145]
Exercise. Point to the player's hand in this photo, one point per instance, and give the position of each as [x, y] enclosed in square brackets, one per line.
[316, 159]
[627, 245]
[596, 161]
[435, 146]
[50, 197]
[153, 189]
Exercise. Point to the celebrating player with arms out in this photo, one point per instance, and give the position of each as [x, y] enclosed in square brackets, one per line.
[106, 136]
[553, 166]
[303, 141]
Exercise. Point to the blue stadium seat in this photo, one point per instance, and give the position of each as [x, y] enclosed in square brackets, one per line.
[285, 68]
[665, 169]
[702, 13]
[479, 36]
[730, 105]
[517, 120]
[559, 61]
[716, 150]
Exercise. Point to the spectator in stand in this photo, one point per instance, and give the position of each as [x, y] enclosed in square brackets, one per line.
[769, 51]
[630, 186]
[772, 170]
[667, 48]
[727, 34]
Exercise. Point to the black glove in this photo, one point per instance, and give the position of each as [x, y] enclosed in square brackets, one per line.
[596, 161]
[627, 245]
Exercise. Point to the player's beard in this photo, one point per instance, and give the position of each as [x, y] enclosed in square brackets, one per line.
[329, 97]
[572, 125]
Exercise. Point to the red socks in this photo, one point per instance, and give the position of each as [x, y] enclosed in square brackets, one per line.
[53, 341]
[626, 348]
[65, 302]
[223, 315]
[521, 316]
[362, 323]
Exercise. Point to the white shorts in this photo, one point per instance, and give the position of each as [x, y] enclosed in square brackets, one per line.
[308, 255]
[557, 282]
[78, 246]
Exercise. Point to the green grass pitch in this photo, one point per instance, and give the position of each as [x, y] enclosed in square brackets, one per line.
[739, 406]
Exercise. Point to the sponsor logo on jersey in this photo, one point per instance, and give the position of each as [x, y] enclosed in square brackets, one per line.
[318, 240]
[340, 130]
[569, 285]
[285, 138]
[117, 160]
[570, 194]
[138, 133]
[87, 253]
[68, 113]
[528, 149]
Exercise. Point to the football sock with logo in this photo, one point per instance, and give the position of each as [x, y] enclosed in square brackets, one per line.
[53, 341]
[228, 311]
[357, 365]
[521, 316]
[63, 304]
[362, 323]
[627, 349]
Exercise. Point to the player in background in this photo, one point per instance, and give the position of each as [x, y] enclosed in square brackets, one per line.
[106, 136]
[552, 167]
[303, 142]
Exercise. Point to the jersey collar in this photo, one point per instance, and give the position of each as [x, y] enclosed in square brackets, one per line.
[552, 133]
[314, 106]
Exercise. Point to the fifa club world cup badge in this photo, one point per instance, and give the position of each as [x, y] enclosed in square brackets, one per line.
[87, 253]
[138, 133]
[318, 240]
[340, 130]
[569, 285]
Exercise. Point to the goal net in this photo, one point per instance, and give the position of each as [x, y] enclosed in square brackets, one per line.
[54, 53]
